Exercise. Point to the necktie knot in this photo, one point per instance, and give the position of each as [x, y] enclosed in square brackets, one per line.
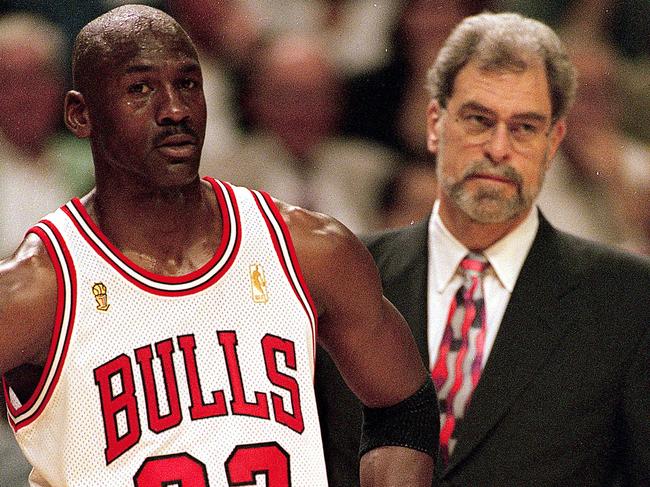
[474, 263]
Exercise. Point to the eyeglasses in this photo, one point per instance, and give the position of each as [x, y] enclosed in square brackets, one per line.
[524, 133]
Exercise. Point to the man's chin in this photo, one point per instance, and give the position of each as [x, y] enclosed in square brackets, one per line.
[492, 211]
[177, 175]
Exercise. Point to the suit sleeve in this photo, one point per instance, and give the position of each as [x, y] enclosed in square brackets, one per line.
[340, 416]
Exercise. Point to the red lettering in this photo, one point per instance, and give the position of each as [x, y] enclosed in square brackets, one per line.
[260, 407]
[112, 404]
[144, 356]
[199, 409]
[181, 469]
[271, 346]
[248, 461]
[119, 402]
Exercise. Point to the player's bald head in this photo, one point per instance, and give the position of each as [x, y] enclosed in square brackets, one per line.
[121, 34]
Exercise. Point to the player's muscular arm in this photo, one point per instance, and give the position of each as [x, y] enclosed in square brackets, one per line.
[28, 293]
[366, 337]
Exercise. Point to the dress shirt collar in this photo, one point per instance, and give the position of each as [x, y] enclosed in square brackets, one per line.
[506, 256]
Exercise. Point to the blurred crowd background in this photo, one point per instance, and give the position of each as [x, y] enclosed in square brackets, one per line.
[322, 103]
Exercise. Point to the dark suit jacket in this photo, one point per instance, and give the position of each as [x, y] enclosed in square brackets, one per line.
[564, 399]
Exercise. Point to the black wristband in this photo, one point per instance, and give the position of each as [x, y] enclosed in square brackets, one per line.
[412, 423]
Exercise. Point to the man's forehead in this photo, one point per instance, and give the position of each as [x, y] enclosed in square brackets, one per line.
[131, 31]
[133, 18]
[526, 89]
[146, 48]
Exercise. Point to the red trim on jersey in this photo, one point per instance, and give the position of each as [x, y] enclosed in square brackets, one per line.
[59, 325]
[286, 235]
[292, 250]
[169, 285]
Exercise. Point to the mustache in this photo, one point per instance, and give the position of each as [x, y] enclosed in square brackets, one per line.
[182, 128]
[486, 168]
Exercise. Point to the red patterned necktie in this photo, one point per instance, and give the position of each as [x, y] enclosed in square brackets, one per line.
[460, 358]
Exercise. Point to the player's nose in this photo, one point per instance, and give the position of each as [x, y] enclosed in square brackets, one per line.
[172, 107]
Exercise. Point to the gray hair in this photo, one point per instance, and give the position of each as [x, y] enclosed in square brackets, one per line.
[504, 41]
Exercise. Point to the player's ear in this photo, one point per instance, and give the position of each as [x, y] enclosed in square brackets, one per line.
[75, 114]
[433, 117]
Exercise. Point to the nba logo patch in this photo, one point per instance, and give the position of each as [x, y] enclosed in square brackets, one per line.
[258, 284]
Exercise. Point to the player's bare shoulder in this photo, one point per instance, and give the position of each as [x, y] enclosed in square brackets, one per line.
[319, 237]
[28, 298]
[332, 258]
[312, 228]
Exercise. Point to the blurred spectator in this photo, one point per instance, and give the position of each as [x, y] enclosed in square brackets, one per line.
[624, 25]
[356, 31]
[641, 214]
[224, 32]
[408, 195]
[292, 99]
[69, 15]
[597, 178]
[41, 166]
[30, 104]
[635, 83]
[388, 105]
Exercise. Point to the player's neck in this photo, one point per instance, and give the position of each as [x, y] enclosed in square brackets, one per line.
[169, 232]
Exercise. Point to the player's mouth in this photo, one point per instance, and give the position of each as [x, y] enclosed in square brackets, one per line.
[178, 146]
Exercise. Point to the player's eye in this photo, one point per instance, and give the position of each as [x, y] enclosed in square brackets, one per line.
[188, 83]
[139, 88]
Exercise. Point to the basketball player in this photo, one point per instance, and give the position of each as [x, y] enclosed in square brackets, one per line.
[161, 330]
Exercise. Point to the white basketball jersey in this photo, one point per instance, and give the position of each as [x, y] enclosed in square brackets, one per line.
[193, 381]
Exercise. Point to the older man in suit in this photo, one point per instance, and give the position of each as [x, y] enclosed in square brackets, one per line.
[538, 342]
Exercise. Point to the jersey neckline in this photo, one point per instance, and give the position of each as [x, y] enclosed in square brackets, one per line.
[189, 283]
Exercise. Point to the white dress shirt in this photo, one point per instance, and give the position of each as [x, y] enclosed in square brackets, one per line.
[506, 258]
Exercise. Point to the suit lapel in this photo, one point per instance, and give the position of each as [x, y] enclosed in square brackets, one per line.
[533, 324]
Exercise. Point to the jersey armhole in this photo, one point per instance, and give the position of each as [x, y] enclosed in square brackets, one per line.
[286, 253]
[21, 415]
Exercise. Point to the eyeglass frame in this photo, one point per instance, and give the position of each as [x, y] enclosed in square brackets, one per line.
[480, 124]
